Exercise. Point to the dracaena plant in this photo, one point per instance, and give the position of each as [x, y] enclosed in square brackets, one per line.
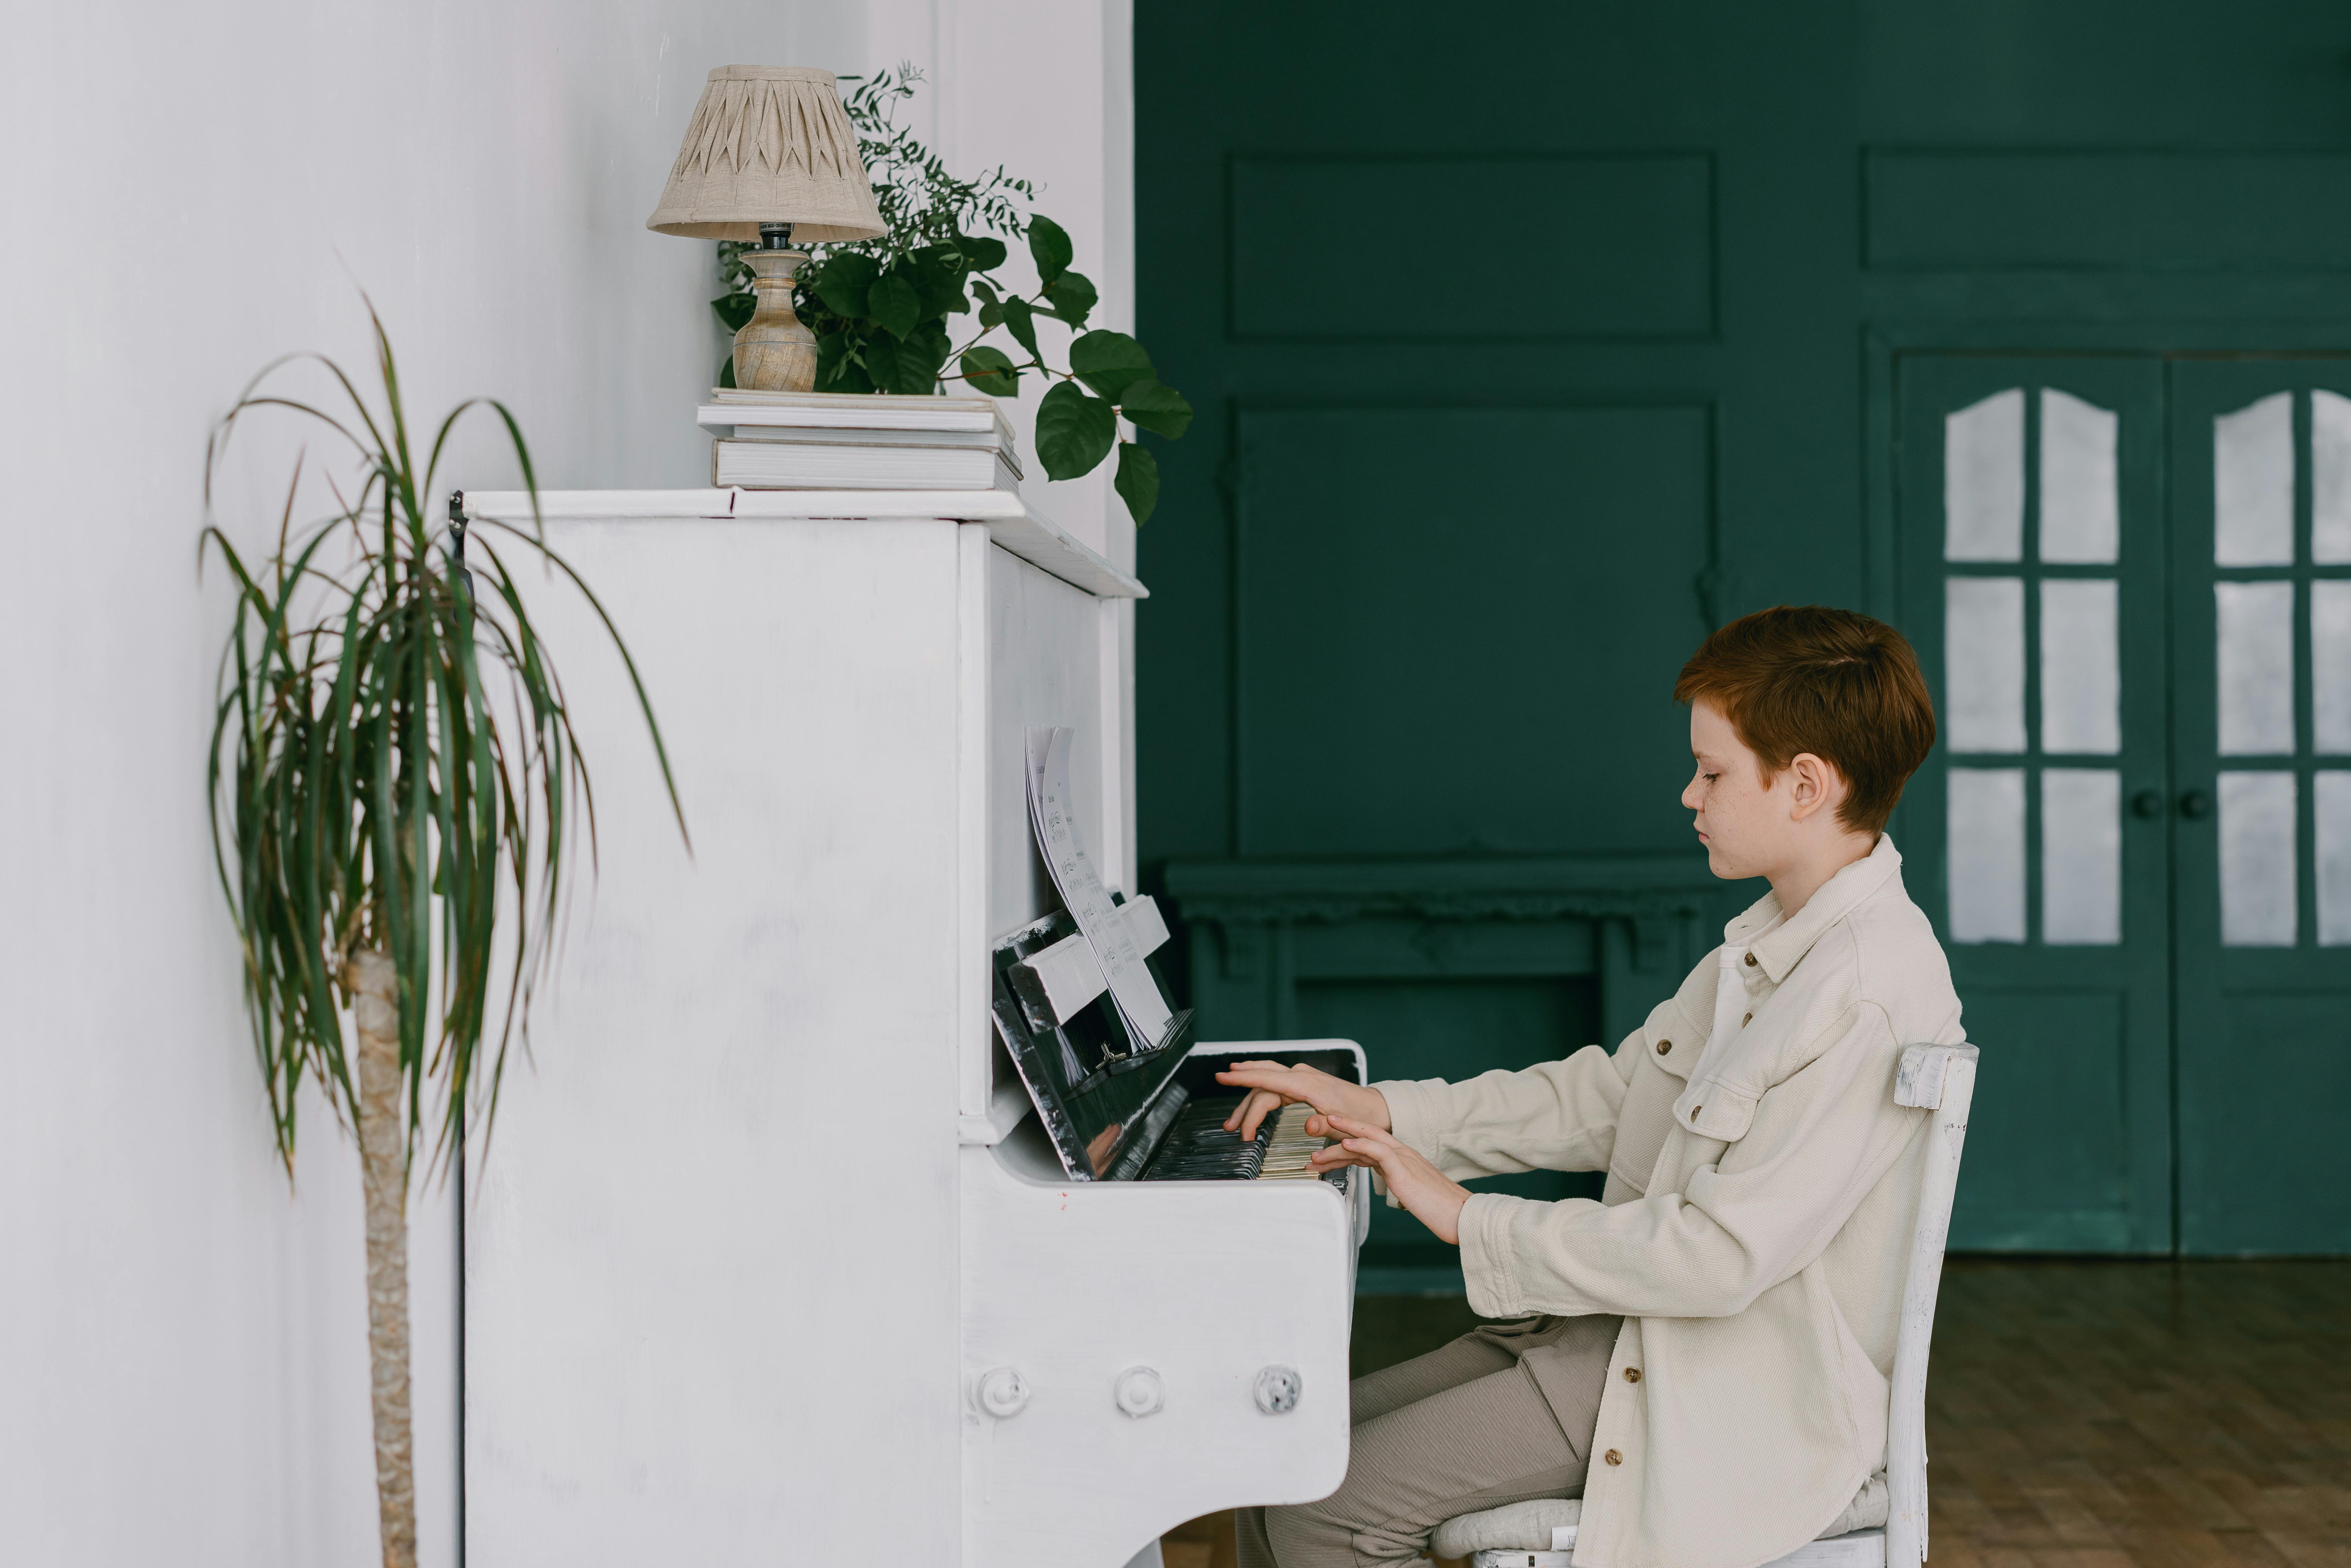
[397, 797]
[883, 310]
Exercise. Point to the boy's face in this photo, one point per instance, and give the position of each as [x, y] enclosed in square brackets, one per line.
[1747, 829]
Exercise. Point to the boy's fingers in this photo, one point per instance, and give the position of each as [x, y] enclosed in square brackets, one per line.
[1260, 1105]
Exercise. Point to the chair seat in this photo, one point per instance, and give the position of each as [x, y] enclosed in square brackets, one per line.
[1857, 1549]
[1851, 1550]
[1541, 1534]
[1540, 1525]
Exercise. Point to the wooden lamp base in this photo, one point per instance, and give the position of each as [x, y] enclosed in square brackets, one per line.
[774, 351]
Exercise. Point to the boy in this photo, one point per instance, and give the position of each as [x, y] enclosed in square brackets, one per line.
[1710, 1368]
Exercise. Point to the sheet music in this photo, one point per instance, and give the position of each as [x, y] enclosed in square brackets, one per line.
[1049, 811]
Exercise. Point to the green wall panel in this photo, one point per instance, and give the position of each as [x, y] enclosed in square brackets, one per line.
[1440, 608]
[1533, 213]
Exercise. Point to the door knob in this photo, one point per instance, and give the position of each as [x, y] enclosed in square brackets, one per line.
[2196, 805]
[2148, 804]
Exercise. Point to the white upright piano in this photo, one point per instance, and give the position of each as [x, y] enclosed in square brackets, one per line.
[769, 1259]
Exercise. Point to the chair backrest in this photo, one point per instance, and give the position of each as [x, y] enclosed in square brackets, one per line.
[1940, 1079]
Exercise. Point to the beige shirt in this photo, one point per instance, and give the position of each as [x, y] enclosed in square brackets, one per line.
[1754, 1227]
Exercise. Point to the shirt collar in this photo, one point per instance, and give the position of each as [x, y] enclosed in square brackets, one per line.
[1778, 943]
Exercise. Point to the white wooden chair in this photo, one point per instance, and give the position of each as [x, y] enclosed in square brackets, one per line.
[1937, 1078]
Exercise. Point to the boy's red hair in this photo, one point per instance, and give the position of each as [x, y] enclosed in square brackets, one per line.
[1844, 687]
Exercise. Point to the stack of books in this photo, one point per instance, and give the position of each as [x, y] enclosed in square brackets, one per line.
[828, 440]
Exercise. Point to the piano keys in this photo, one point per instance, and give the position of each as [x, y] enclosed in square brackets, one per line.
[1122, 1109]
[1199, 1147]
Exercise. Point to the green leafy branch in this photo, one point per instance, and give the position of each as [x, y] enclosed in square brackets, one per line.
[1076, 429]
[880, 309]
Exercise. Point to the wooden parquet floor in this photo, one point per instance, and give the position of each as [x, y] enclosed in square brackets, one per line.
[2102, 1414]
[2087, 1414]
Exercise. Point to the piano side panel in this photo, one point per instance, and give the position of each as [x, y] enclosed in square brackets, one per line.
[711, 1281]
[1073, 1283]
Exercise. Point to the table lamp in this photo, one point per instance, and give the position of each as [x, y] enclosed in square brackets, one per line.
[770, 156]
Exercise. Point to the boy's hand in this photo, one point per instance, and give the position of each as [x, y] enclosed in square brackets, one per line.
[1434, 1198]
[1271, 1086]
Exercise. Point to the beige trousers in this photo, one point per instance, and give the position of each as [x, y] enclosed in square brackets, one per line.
[1503, 1413]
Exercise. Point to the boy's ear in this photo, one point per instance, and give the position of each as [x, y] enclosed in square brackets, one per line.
[1816, 785]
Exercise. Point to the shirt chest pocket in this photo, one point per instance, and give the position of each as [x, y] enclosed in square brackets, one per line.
[1715, 1108]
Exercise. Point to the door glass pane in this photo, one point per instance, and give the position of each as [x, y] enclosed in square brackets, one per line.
[1984, 662]
[2253, 484]
[1983, 479]
[2330, 664]
[2257, 881]
[2078, 518]
[2256, 655]
[2081, 680]
[2332, 805]
[2081, 856]
[1986, 854]
[2330, 478]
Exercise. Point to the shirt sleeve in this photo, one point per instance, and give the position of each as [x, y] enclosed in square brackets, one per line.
[1770, 1203]
[1555, 1115]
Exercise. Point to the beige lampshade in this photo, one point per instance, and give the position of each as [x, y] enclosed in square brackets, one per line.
[768, 144]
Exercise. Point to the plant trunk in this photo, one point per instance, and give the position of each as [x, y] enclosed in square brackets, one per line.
[384, 1170]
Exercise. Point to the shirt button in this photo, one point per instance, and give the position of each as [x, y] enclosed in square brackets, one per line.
[1632, 1375]
[1613, 1457]
[1664, 1047]
[1750, 960]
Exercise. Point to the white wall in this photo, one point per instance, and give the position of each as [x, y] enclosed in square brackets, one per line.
[191, 191]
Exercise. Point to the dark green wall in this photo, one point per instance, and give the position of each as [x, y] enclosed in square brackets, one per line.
[1530, 340]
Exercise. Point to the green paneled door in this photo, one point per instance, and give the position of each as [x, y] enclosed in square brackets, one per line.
[2129, 579]
[2032, 585]
[2262, 668]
